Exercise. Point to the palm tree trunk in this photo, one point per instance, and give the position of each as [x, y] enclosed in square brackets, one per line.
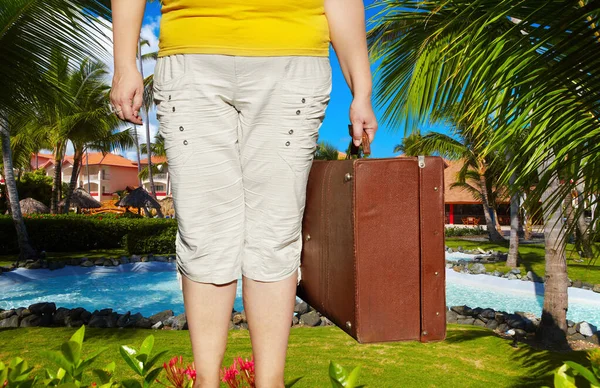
[513, 250]
[553, 325]
[137, 151]
[57, 181]
[584, 229]
[26, 250]
[77, 157]
[487, 211]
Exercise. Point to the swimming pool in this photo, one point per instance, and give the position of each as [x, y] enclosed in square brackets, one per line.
[152, 287]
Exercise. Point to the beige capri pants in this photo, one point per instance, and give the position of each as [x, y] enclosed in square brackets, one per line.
[240, 134]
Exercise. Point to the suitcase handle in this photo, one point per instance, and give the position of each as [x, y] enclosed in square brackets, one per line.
[365, 144]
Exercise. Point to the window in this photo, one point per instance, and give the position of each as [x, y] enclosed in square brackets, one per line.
[103, 188]
[159, 187]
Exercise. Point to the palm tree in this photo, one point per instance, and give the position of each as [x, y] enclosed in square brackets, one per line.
[475, 168]
[326, 151]
[521, 68]
[29, 31]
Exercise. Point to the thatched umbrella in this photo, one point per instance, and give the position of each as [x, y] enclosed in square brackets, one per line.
[138, 198]
[30, 206]
[81, 199]
[166, 206]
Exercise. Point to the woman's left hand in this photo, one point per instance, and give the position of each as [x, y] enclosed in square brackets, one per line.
[362, 118]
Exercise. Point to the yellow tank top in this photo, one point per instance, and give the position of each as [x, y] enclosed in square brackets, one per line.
[244, 27]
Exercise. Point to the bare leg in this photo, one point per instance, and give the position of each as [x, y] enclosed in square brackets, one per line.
[269, 309]
[208, 310]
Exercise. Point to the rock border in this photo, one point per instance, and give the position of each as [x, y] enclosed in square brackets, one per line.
[476, 267]
[517, 324]
[47, 315]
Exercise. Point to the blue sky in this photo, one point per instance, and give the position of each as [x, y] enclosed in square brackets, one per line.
[335, 127]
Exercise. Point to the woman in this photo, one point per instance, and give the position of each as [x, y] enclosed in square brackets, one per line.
[241, 88]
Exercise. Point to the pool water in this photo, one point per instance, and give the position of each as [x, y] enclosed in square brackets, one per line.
[152, 287]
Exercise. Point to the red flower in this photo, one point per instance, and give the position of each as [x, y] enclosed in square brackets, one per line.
[244, 377]
[177, 373]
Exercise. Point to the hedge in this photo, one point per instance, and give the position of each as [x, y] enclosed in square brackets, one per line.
[150, 239]
[76, 233]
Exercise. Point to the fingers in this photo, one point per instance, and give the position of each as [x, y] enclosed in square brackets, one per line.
[357, 132]
[137, 104]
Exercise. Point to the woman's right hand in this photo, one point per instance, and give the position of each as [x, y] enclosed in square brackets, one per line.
[126, 94]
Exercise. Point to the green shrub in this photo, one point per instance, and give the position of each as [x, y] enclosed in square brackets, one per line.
[150, 239]
[77, 232]
[453, 231]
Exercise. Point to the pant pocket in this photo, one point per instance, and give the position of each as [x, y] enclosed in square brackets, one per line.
[303, 106]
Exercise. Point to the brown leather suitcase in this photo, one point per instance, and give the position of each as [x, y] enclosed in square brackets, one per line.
[373, 247]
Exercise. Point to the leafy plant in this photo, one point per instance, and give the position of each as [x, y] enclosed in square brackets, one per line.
[141, 363]
[564, 377]
[341, 378]
[16, 374]
[71, 364]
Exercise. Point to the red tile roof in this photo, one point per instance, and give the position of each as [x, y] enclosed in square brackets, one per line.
[155, 159]
[95, 158]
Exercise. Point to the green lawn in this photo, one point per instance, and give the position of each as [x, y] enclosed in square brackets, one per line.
[469, 357]
[532, 259]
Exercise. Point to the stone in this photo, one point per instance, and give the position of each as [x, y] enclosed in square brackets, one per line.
[479, 322]
[488, 313]
[520, 333]
[87, 263]
[124, 260]
[570, 323]
[596, 288]
[12, 321]
[585, 329]
[104, 312]
[519, 276]
[301, 308]
[311, 318]
[31, 321]
[451, 316]
[42, 308]
[577, 337]
[571, 330]
[162, 259]
[99, 262]
[515, 271]
[7, 314]
[108, 263]
[237, 318]
[243, 326]
[75, 313]
[115, 262]
[34, 265]
[159, 325]
[144, 323]
[459, 249]
[462, 310]
[124, 319]
[326, 322]
[97, 321]
[59, 316]
[497, 273]
[595, 338]
[179, 322]
[492, 324]
[511, 276]
[23, 312]
[477, 268]
[161, 316]
[56, 265]
[503, 327]
[231, 326]
[295, 320]
[577, 283]
[466, 321]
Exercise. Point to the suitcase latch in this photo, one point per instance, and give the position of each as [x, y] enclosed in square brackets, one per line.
[421, 159]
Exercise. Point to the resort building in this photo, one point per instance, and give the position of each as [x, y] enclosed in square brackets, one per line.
[101, 175]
